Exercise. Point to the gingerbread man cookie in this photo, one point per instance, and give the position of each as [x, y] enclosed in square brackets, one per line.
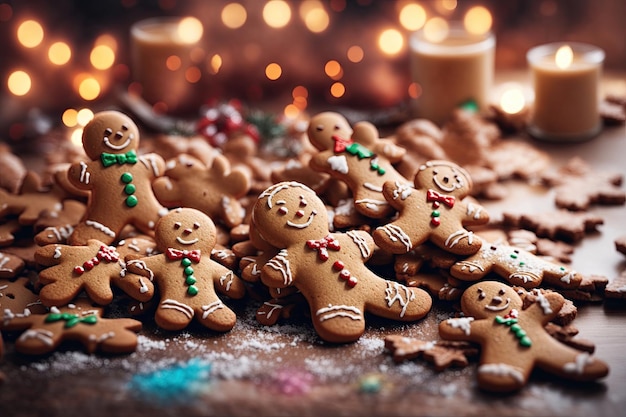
[432, 210]
[357, 157]
[514, 339]
[119, 180]
[213, 189]
[81, 322]
[93, 268]
[17, 299]
[328, 268]
[516, 265]
[186, 276]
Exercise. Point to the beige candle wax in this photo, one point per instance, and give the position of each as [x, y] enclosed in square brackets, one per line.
[161, 53]
[565, 79]
[451, 67]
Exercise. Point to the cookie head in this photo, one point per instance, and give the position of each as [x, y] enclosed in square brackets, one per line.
[289, 212]
[443, 176]
[490, 298]
[111, 132]
[325, 129]
[185, 229]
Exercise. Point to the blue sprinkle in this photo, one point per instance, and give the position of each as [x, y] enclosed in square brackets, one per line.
[177, 383]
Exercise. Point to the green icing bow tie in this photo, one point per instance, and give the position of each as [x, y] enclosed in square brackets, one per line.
[109, 159]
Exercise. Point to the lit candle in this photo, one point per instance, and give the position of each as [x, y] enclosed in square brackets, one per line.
[566, 82]
[161, 51]
[510, 107]
[451, 65]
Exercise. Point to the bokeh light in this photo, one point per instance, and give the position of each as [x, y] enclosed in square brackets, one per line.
[273, 71]
[190, 30]
[102, 57]
[337, 89]
[412, 16]
[436, 29]
[276, 13]
[234, 15]
[355, 53]
[478, 20]
[30, 33]
[19, 83]
[59, 53]
[391, 41]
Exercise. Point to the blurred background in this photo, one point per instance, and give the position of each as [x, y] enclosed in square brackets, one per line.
[68, 55]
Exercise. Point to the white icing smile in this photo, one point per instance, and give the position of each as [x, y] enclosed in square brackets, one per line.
[303, 225]
[186, 242]
[498, 300]
[108, 143]
[447, 188]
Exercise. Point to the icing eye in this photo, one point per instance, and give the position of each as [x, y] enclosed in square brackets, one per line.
[108, 131]
[446, 180]
[303, 202]
[283, 210]
[435, 172]
[337, 127]
[196, 225]
[502, 291]
[319, 128]
[177, 225]
[481, 294]
[124, 127]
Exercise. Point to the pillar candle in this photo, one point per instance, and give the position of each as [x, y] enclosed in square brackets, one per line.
[161, 59]
[565, 78]
[451, 70]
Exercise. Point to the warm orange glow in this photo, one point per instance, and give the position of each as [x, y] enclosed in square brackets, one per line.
[478, 20]
[564, 57]
[30, 33]
[355, 53]
[190, 30]
[415, 90]
[234, 15]
[291, 111]
[173, 63]
[300, 91]
[77, 137]
[333, 69]
[337, 90]
[215, 64]
[69, 117]
[436, 29]
[102, 57]
[84, 116]
[276, 13]
[391, 41]
[59, 53]
[193, 75]
[107, 40]
[412, 16]
[445, 6]
[512, 100]
[19, 83]
[89, 88]
[273, 71]
[314, 15]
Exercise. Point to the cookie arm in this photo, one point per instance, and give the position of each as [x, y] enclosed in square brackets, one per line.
[475, 214]
[459, 328]
[277, 272]
[227, 283]
[319, 161]
[398, 194]
[79, 175]
[365, 133]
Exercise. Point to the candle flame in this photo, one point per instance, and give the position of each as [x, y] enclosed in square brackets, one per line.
[564, 57]
[512, 100]
[436, 29]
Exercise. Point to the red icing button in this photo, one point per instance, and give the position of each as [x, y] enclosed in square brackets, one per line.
[338, 266]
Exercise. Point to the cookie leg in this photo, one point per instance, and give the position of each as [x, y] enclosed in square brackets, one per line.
[338, 323]
[173, 315]
[501, 377]
[458, 241]
[216, 316]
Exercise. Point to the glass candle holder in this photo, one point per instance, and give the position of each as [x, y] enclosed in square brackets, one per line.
[565, 79]
[161, 61]
[451, 69]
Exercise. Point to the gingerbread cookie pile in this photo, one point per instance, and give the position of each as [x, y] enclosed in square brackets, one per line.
[355, 225]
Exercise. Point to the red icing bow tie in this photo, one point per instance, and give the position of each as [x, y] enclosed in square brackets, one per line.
[433, 195]
[321, 246]
[341, 143]
[175, 254]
